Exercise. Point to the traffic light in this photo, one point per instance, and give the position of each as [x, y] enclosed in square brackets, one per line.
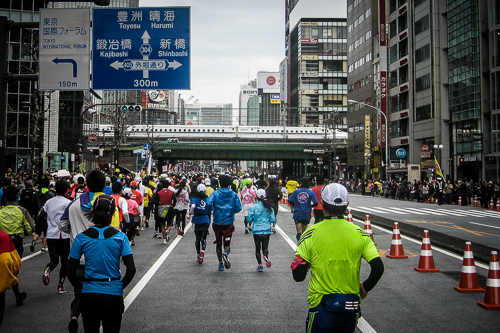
[131, 108]
[461, 161]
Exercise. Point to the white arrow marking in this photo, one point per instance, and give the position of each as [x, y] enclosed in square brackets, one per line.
[174, 64]
[117, 65]
[145, 37]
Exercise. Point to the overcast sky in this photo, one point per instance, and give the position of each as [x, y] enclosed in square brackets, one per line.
[232, 40]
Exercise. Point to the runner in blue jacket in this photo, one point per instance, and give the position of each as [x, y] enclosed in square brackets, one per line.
[261, 217]
[226, 203]
[302, 201]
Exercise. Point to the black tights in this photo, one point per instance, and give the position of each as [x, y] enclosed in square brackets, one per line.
[180, 218]
[218, 249]
[201, 240]
[261, 241]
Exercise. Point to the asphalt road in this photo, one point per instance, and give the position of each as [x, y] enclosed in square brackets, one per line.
[172, 293]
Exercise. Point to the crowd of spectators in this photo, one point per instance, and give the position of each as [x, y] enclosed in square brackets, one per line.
[465, 191]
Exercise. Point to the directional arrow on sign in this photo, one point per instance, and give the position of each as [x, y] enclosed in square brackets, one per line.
[138, 65]
[71, 61]
[145, 37]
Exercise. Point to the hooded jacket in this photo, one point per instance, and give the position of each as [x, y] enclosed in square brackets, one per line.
[75, 218]
[226, 203]
[261, 219]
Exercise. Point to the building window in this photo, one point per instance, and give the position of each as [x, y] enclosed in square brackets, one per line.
[423, 112]
[398, 102]
[419, 2]
[422, 24]
[398, 51]
[399, 128]
[423, 83]
[422, 53]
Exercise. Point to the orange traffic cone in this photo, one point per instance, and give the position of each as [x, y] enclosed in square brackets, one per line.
[349, 216]
[368, 228]
[459, 201]
[396, 251]
[468, 278]
[426, 262]
[497, 208]
[492, 205]
[476, 202]
[492, 295]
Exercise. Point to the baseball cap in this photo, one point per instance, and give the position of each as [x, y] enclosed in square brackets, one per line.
[127, 192]
[335, 195]
[261, 194]
[208, 182]
[108, 180]
[201, 188]
[133, 183]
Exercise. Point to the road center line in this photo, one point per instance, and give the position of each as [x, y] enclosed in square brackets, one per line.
[132, 295]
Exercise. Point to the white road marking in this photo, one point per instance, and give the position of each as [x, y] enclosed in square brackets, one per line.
[484, 225]
[132, 295]
[438, 249]
[31, 255]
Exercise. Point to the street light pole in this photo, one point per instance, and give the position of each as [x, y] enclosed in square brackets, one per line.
[386, 134]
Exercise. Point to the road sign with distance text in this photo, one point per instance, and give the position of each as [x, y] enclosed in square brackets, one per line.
[141, 48]
[64, 47]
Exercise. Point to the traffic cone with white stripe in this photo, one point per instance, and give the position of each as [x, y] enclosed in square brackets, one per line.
[476, 202]
[349, 216]
[492, 294]
[497, 208]
[396, 251]
[368, 228]
[492, 204]
[468, 277]
[459, 201]
[426, 262]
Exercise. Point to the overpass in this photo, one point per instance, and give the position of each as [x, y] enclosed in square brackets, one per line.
[298, 158]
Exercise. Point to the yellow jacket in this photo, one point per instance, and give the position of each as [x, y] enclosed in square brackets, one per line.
[10, 262]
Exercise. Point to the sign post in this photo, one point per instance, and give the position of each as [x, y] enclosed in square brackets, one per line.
[141, 48]
[64, 49]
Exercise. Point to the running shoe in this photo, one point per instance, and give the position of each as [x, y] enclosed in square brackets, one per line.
[142, 228]
[198, 259]
[168, 237]
[227, 263]
[180, 232]
[73, 326]
[132, 242]
[138, 231]
[46, 276]
[43, 250]
[32, 246]
[20, 298]
[155, 235]
[246, 230]
[221, 267]
[260, 269]
[202, 256]
[268, 262]
[164, 242]
[61, 289]
[147, 224]
[273, 229]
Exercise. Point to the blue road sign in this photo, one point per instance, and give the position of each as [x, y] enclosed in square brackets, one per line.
[141, 48]
[146, 146]
[401, 153]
